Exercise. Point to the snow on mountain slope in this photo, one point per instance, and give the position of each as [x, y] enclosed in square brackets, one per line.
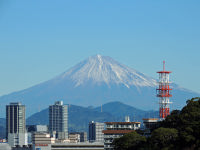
[104, 69]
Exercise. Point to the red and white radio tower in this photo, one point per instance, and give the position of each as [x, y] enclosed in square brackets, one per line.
[164, 92]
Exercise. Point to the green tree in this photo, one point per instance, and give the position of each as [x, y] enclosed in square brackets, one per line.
[163, 138]
[187, 122]
[180, 130]
[129, 141]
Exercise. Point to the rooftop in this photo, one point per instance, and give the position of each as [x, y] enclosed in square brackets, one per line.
[122, 122]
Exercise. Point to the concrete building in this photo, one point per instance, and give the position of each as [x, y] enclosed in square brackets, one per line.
[15, 124]
[58, 120]
[35, 128]
[83, 136]
[15, 139]
[41, 139]
[77, 146]
[117, 130]
[150, 123]
[95, 131]
[74, 138]
[46, 145]
[4, 146]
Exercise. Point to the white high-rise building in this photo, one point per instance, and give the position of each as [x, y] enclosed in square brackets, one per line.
[58, 120]
[16, 124]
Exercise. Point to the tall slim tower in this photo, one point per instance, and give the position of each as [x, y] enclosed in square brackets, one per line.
[164, 92]
[58, 120]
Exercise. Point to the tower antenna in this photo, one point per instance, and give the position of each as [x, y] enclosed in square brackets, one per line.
[163, 65]
[164, 93]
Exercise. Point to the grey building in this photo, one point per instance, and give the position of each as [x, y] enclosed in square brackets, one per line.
[58, 120]
[35, 128]
[16, 124]
[4, 146]
[83, 136]
[95, 131]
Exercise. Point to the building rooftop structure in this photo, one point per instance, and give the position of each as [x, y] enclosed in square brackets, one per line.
[117, 130]
[122, 125]
[150, 123]
[122, 122]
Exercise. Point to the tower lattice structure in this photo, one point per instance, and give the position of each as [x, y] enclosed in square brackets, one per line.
[164, 92]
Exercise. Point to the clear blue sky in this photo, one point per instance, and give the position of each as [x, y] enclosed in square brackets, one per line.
[42, 38]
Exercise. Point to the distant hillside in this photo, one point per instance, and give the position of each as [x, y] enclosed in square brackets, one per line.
[79, 117]
[2, 127]
[120, 110]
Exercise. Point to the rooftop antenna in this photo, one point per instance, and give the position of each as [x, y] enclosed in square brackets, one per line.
[163, 65]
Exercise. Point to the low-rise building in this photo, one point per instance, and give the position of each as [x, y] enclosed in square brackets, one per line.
[150, 123]
[116, 130]
[78, 146]
[41, 139]
[35, 128]
[83, 136]
[4, 146]
[15, 139]
[64, 146]
[74, 138]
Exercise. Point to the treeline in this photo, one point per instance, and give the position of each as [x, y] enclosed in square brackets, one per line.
[179, 131]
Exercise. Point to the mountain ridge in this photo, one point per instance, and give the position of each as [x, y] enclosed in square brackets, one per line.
[95, 81]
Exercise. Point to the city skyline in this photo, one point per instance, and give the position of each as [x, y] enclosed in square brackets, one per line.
[40, 40]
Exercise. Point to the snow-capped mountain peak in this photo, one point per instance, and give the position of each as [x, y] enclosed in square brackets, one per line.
[95, 81]
[103, 69]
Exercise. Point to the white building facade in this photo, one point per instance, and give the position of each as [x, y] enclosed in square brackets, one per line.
[116, 130]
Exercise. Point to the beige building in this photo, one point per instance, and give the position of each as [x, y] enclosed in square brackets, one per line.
[44, 140]
[74, 138]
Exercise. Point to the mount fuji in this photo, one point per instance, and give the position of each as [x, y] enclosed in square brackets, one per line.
[96, 81]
